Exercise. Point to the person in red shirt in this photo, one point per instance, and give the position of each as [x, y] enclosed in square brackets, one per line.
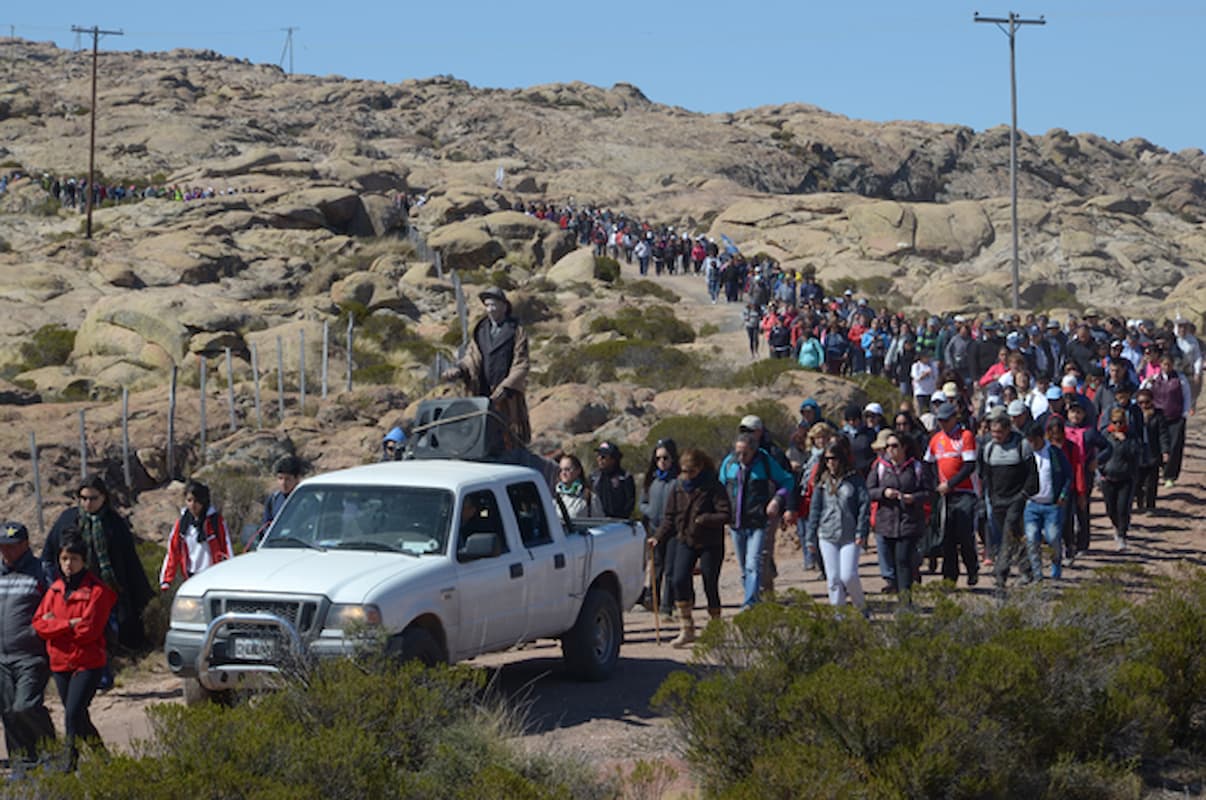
[198, 540]
[72, 618]
[952, 451]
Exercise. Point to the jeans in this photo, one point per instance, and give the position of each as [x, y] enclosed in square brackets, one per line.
[841, 565]
[887, 568]
[899, 553]
[1045, 522]
[747, 544]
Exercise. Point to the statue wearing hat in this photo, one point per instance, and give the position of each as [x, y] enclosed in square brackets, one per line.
[495, 365]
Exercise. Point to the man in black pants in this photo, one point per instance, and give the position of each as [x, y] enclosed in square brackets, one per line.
[952, 451]
[24, 669]
[1010, 476]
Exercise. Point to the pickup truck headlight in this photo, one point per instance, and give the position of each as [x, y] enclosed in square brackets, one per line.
[350, 615]
[188, 610]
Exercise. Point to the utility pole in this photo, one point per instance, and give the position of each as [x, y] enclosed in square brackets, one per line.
[96, 34]
[1014, 21]
[288, 48]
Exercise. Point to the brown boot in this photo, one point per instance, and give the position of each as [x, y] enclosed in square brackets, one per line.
[686, 626]
[714, 613]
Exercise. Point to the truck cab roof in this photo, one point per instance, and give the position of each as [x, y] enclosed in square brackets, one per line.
[436, 474]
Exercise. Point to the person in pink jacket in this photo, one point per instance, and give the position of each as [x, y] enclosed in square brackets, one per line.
[199, 538]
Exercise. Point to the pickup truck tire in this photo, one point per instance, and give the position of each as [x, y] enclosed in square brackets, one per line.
[417, 644]
[592, 647]
[195, 694]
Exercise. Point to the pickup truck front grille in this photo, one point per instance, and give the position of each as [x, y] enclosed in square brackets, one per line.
[302, 614]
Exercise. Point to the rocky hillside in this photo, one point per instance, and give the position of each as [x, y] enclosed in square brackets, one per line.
[304, 228]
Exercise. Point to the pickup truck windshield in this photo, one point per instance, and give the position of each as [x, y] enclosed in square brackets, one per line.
[381, 518]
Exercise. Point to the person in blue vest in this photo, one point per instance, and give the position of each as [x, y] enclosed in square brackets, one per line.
[758, 488]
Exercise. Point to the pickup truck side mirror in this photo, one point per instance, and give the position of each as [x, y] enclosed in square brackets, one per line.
[480, 545]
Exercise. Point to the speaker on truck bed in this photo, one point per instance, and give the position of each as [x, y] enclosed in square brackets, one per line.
[457, 427]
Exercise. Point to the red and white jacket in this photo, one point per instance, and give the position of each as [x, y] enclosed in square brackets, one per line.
[187, 556]
[72, 649]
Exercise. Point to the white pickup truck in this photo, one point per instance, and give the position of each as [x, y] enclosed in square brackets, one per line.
[450, 559]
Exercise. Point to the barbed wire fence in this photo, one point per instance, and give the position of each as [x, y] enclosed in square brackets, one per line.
[256, 419]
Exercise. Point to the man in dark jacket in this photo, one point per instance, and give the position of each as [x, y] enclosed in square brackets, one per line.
[24, 669]
[495, 365]
[986, 348]
[1010, 476]
[613, 491]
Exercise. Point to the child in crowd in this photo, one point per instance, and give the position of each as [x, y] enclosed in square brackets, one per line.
[199, 538]
[71, 618]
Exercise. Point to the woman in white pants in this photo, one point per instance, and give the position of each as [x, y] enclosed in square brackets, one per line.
[839, 520]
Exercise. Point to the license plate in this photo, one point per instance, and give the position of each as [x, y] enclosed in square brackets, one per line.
[254, 649]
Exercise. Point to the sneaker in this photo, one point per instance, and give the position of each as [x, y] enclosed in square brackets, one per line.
[1056, 571]
[1121, 540]
[1170, 483]
[973, 579]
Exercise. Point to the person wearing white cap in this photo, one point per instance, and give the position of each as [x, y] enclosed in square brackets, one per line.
[758, 487]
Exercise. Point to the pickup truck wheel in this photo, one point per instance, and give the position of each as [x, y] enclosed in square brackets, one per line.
[417, 644]
[592, 647]
[196, 694]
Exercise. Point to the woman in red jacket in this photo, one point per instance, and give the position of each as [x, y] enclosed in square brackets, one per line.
[72, 618]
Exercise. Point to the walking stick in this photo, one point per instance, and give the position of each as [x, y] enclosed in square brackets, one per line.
[657, 618]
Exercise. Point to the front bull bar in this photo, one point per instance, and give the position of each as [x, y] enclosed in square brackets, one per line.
[226, 676]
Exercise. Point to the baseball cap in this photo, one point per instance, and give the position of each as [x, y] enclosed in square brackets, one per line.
[1016, 408]
[13, 532]
[1068, 382]
[1054, 393]
[950, 389]
[874, 408]
[1117, 343]
[1053, 324]
[752, 422]
[849, 292]
[938, 397]
[609, 449]
[946, 411]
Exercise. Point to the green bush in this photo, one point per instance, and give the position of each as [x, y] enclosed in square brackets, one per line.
[875, 285]
[650, 364]
[652, 323]
[715, 435]
[48, 346]
[879, 390]
[760, 373]
[346, 729]
[607, 269]
[709, 329]
[648, 288]
[1029, 698]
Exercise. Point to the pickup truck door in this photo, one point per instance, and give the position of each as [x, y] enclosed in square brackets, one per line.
[493, 590]
[551, 609]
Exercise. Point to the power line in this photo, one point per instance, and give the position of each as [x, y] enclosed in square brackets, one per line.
[1014, 22]
[96, 34]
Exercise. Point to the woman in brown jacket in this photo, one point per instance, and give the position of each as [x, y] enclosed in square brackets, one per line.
[900, 485]
[697, 509]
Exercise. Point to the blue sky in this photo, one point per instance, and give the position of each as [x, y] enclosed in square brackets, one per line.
[1119, 69]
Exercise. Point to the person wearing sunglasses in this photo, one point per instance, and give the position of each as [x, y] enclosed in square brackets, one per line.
[839, 519]
[901, 486]
[659, 478]
[571, 487]
[111, 556]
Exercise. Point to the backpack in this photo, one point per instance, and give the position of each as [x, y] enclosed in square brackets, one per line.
[779, 336]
